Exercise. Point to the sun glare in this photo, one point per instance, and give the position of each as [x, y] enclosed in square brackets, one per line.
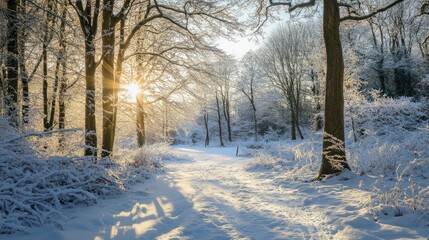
[132, 89]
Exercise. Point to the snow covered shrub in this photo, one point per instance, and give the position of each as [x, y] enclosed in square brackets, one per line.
[32, 190]
[382, 157]
[263, 160]
[296, 161]
[148, 156]
[385, 115]
[390, 133]
[34, 187]
[409, 193]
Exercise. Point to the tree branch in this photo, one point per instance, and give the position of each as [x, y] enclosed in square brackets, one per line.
[363, 17]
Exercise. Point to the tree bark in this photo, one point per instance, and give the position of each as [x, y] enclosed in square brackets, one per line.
[49, 23]
[140, 117]
[226, 109]
[255, 121]
[45, 82]
[219, 122]
[89, 23]
[108, 92]
[206, 125]
[61, 103]
[90, 123]
[22, 67]
[12, 64]
[63, 78]
[292, 123]
[141, 134]
[333, 154]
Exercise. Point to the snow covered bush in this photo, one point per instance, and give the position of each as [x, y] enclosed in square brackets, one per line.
[409, 193]
[265, 161]
[294, 161]
[385, 115]
[390, 133]
[34, 187]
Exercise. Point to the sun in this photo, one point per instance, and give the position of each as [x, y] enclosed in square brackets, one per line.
[131, 91]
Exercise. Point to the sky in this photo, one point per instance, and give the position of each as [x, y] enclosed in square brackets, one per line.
[238, 48]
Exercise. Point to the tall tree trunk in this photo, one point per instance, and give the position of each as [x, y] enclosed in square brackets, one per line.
[141, 134]
[296, 104]
[255, 121]
[227, 110]
[118, 73]
[61, 103]
[45, 84]
[316, 94]
[333, 154]
[292, 124]
[298, 128]
[219, 122]
[90, 122]
[89, 23]
[140, 117]
[296, 119]
[12, 63]
[3, 87]
[22, 66]
[47, 125]
[108, 92]
[206, 125]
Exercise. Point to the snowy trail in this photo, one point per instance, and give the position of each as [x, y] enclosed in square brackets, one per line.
[211, 196]
[241, 206]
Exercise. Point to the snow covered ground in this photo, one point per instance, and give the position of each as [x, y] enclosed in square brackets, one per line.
[210, 195]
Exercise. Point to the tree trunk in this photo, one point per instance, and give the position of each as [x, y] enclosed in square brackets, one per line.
[89, 23]
[292, 125]
[47, 125]
[206, 125]
[255, 121]
[298, 128]
[141, 134]
[227, 111]
[108, 92]
[333, 154]
[12, 63]
[63, 78]
[3, 87]
[61, 103]
[90, 123]
[22, 66]
[219, 122]
[296, 115]
[45, 82]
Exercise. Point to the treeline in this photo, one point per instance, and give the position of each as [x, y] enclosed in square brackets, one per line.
[66, 62]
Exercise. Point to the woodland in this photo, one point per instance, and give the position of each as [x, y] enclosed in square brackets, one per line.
[96, 94]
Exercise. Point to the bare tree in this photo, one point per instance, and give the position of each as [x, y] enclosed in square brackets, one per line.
[226, 71]
[284, 61]
[88, 19]
[248, 84]
[333, 153]
[219, 118]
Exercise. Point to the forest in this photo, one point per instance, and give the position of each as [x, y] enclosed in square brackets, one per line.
[100, 97]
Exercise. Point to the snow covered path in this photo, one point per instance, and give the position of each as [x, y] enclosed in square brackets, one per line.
[211, 196]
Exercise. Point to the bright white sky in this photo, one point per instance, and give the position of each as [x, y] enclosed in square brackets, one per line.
[242, 45]
[238, 48]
